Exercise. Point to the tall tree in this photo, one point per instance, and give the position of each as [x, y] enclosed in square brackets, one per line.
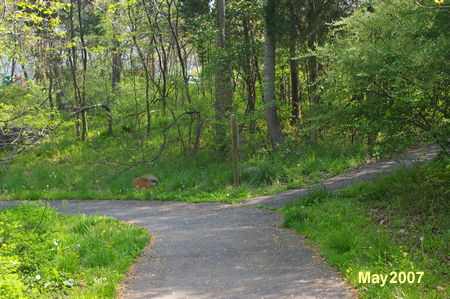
[224, 91]
[73, 65]
[143, 56]
[293, 63]
[270, 106]
[319, 14]
[116, 52]
[84, 58]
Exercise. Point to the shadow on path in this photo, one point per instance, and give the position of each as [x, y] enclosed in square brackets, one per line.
[214, 250]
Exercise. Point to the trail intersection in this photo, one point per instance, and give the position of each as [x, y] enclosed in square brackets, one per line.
[215, 250]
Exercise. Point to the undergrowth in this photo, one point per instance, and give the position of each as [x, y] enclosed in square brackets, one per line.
[64, 168]
[398, 224]
[45, 254]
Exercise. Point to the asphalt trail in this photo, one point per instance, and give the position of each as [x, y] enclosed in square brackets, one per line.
[214, 250]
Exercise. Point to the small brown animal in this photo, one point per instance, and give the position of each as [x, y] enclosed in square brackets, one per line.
[146, 181]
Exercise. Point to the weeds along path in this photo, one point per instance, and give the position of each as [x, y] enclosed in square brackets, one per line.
[214, 250]
[367, 173]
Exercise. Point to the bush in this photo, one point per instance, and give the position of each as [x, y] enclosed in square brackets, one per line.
[385, 78]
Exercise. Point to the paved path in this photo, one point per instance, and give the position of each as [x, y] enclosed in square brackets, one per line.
[367, 173]
[214, 250]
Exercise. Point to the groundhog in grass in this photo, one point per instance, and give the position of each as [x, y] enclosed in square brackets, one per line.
[146, 181]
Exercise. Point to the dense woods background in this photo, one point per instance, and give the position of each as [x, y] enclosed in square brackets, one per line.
[123, 86]
[96, 93]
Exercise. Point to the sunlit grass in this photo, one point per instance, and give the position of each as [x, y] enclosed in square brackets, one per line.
[46, 254]
[399, 224]
[64, 168]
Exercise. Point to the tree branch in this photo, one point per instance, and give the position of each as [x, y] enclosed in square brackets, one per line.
[42, 136]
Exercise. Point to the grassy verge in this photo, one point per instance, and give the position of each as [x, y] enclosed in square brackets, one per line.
[46, 254]
[399, 224]
[63, 168]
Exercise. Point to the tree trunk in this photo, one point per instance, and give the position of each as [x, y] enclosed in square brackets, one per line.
[249, 76]
[116, 64]
[13, 67]
[224, 92]
[270, 107]
[73, 67]
[24, 71]
[50, 87]
[163, 65]
[84, 128]
[116, 57]
[56, 68]
[313, 70]
[295, 82]
[144, 62]
[180, 48]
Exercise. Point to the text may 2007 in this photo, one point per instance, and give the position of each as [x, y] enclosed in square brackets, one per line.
[392, 278]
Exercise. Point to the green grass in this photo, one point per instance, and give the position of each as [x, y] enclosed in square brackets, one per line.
[398, 224]
[64, 168]
[45, 254]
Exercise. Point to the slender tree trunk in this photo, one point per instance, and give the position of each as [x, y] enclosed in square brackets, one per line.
[178, 47]
[161, 52]
[116, 63]
[164, 76]
[313, 70]
[24, 71]
[371, 99]
[116, 57]
[56, 68]
[50, 87]
[84, 128]
[147, 103]
[73, 67]
[270, 107]
[249, 76]
[224, 91]
[13, 67]
[295, 82]
[144, 62]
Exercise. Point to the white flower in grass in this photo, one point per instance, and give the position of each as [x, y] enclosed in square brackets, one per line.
[38, 277]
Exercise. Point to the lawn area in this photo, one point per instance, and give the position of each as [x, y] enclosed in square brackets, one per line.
[398, 224]
[46, 254]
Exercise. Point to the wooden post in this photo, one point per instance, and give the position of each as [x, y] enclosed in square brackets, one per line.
[234, 143]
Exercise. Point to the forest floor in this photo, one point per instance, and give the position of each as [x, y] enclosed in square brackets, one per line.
[220, 250]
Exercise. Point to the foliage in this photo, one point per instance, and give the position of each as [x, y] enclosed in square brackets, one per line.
[46, 254]
[384, 79]
[16, 100]
[62, 169]
[387, 74]
[397, 224]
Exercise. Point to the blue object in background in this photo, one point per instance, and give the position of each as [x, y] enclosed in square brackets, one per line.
[6, 80]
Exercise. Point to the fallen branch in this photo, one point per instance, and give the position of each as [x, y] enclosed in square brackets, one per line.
[163, 145]
[42, 136]
[432, 7]
[161, 148]
[23, 113]
[79, 111]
